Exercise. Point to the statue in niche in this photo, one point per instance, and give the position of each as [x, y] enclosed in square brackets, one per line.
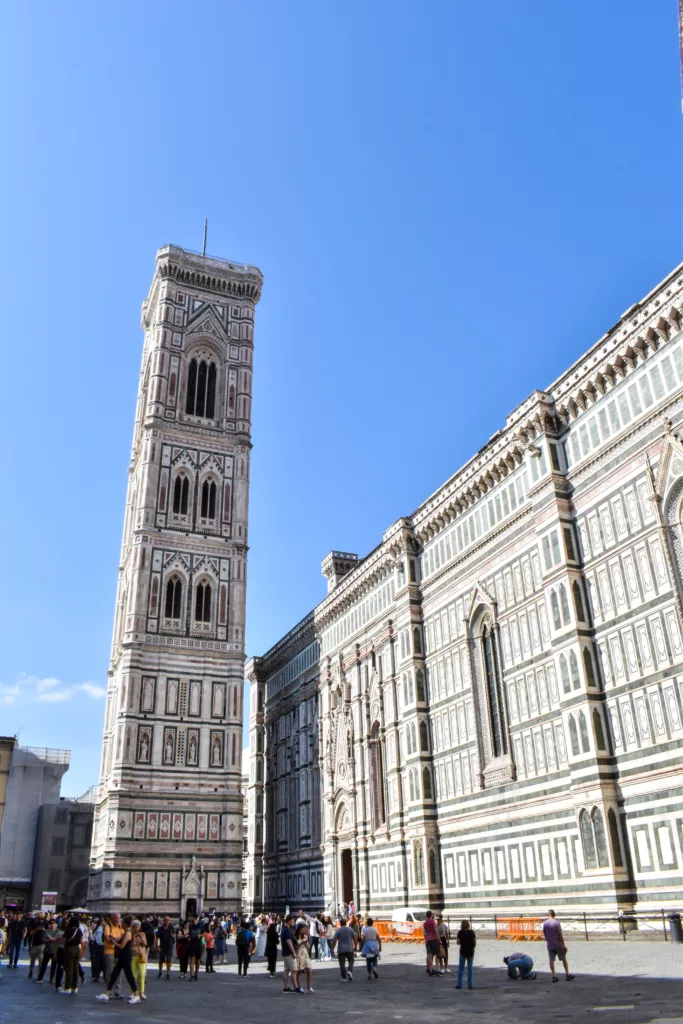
[143, 750]
[216, 751]
[168, 747]
[192, 749]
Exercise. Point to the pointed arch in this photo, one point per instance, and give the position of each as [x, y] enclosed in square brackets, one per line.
[427, 783]
[588, 667]
[181, 494]
[599, 731]
[573, 736]
[557, 621]
[590, 858]
[173, 600]
[424, 737]
[614, 838]
[600, 837]
[564, 604]
[578, 602]
[583, 730]
[420, 685]
[574, 670]
[564, 672]
[378, 802]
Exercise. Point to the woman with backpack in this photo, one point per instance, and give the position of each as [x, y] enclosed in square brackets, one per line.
[245, 943]
[372, 944]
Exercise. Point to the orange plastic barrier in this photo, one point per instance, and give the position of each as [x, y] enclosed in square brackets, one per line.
[529, 929]
[400, 931]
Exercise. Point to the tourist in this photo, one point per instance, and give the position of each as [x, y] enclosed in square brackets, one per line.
[520, 965]
[272, 942]
[182, 948]
[288, 953]
[245, 943]
[432, 945]
[123, 964]
[467, 941]
[261, 929]
[16, 929]
[36, 945]
[53, 936]
[329, 935]
[344, 941]
[195, 932]
[97, 961]
[138, 962]
[113, 932]
[303, 960]
[210, 945]
[314, 933]
[221, 945]
[73, 936]
[163, 941]
[552, 933]
[444, 934]
[372, 945]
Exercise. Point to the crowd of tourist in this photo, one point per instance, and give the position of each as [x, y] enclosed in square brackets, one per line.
[125, 947]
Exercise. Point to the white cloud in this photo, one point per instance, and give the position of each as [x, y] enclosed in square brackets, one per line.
[55, 696]
[92, 689]
[8, 694]
[46, 684]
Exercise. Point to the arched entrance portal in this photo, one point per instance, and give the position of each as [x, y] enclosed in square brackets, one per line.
[346, 876]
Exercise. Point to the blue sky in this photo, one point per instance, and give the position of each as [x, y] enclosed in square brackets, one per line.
[449, 204]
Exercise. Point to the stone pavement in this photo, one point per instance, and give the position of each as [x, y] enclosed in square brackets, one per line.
[616, 982]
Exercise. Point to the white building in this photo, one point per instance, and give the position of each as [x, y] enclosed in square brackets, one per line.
[487, 710]
[168, 825]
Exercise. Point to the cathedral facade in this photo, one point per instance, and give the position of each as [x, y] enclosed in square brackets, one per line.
[486, 712]
[168, 823]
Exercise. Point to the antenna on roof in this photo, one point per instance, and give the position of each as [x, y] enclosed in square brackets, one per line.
[204, 244]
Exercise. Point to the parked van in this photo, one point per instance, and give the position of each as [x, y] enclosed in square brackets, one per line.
[411, 915]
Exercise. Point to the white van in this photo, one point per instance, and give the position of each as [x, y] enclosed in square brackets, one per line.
[410, 915]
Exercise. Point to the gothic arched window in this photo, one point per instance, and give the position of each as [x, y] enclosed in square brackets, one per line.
[201, 388]
[426, 783]
[587, 840]
[578, 602]
[433, 868]
[574, 670]
[174, 593]
[574, 737]
[208, 502]
[564, 672]
[599, 732]
[418, 863]
[600, 837]
[497, 737]
[583, 729]
[417, 640]
[614, 838]
[405, 690]
[420, 684]
[412, 785]
[413, 737]
[202, 603]
[181, 491]
[566, 617]
[588, 667]
[377, 778]
[424, 738]
[557, 621]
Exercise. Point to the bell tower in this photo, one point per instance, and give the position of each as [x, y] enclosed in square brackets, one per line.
[169, 813]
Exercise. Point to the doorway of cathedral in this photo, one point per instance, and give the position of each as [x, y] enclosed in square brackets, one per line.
[346, 876]
[190, 908]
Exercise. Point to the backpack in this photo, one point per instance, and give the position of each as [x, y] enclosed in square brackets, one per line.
[241, 938]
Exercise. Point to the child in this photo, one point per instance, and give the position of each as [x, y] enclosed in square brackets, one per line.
[303, 962]
[467, 940]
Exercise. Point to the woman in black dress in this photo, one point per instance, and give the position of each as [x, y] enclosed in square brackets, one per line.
[272, 943]
[196, 946]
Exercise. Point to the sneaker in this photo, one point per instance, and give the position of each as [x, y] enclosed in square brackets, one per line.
[102, 997]
[349, 975]
[555, 978]
[38, 981]
[64, 991]
[160, 976]
[311, 990]
[299, 990]
[343, 980]
[531, 976]
[142, 996]
[570, 977]
[458, 986]
[374, 973]
[448, 971]
[134, 999]
[74, 991]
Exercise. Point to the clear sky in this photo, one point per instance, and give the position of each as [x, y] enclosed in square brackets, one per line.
[449, 202]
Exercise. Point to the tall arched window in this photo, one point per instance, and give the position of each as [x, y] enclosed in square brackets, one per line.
[578, 602]
[181, 491]
[433, 867]
[599, 732]
[564, 672]
[417, 640]
[583, 729]
[174, 592]
[412, 786]
[201, 388]
[405, 689]
[614, 838]
[600, 837]
[588, 667]
[424, 738]
[574, 670]
[587, 840]
[208, 502]
[497, 737]
[420, 684]
[377, 778]
[557, 621]
[426, 783]
[564, 603]
[413, 736]
[411, 691]
[574, 737]
[202, 603]
[418, 863]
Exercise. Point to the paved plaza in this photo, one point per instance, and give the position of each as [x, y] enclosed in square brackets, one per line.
[636, 982]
